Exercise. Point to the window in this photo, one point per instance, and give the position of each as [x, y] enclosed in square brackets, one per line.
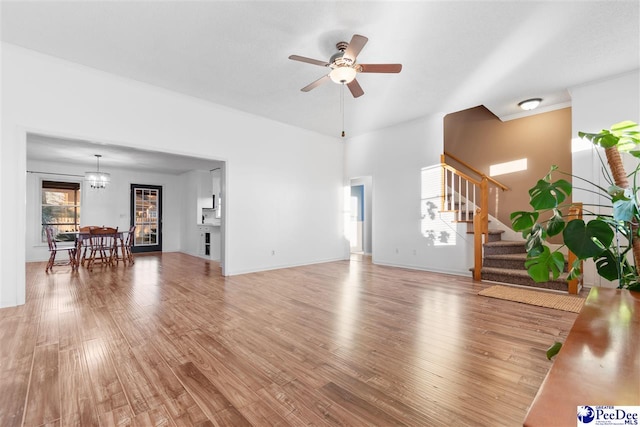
[60, 208]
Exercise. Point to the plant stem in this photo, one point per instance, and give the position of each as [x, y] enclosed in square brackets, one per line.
[585, 180]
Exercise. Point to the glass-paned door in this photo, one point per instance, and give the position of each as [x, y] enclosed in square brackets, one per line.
[146, 215]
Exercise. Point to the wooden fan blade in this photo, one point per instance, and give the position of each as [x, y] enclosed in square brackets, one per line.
[380, 68]
[355, 46]
[355, 88]
[315, 84]
[309, 60]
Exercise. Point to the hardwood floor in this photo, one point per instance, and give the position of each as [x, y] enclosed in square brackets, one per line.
[168, 341]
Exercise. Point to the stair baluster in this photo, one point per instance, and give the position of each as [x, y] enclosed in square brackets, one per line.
[452, 183]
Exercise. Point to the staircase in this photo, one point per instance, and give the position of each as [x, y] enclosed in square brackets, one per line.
[503, 262]
[495, 259]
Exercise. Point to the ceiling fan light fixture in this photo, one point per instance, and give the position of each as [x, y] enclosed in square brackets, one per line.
[530, 104]
[343, 75]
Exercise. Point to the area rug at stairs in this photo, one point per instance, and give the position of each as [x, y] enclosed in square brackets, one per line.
[542, 299]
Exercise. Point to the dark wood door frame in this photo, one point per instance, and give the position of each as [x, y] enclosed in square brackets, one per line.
[147, 248]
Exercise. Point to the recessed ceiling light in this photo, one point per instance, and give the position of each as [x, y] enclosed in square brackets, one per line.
[530, 104]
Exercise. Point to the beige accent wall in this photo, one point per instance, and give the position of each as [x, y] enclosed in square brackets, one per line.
[479, 138]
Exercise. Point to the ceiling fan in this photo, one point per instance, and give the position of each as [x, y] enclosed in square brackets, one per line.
[344, 67]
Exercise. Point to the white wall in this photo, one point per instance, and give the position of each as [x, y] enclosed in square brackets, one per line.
[283, 189]
[189, 233]
[597, 106]
[394, 158]
[109, 207]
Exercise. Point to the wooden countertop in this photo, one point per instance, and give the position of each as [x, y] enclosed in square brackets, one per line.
[599, 363]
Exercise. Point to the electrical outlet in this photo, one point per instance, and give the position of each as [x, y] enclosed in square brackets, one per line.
[273, 252]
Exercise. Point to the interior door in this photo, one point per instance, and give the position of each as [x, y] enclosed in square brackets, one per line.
[146, 214]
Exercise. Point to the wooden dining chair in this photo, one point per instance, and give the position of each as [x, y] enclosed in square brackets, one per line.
[128, 255]
[85, 247]
[102, 246]
[54, 249]
[123, 246]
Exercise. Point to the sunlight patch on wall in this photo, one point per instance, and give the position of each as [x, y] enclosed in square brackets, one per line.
[438, 227]
[508, 167]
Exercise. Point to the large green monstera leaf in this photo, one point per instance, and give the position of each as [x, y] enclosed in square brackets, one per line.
[547, 262]
[587, 240]
[548, 195]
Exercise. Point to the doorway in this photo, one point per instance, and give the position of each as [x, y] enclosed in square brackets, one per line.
[49, 156]
[357, 219]
[146, 215]
[360, 215]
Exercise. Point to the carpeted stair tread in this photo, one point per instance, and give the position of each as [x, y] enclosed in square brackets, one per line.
[506, 243]
[491, 231]
[508, 260]
[514, 261]
[502, 247]
[522, 256]
[521, 277]
[511, 257]
[513, 272]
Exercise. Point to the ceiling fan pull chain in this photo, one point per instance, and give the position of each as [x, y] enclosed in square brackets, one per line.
[342, 107]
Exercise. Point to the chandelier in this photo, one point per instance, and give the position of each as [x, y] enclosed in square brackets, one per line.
[97, 179]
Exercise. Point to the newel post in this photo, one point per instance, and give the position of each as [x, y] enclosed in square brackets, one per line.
[480, 228]
[477, 245]
[575, 212]
[484, 207]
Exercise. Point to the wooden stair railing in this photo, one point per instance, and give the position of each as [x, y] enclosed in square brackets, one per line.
[460, 189]
[474, 170]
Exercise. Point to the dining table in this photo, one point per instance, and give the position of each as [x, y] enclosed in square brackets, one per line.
[82, 239]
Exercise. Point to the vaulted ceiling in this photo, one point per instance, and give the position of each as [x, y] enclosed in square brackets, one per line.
[455, 54]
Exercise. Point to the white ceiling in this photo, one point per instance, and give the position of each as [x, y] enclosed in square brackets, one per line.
[79, 152]
[455, 54]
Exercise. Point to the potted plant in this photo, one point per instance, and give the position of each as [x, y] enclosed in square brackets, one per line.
[610, 239]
